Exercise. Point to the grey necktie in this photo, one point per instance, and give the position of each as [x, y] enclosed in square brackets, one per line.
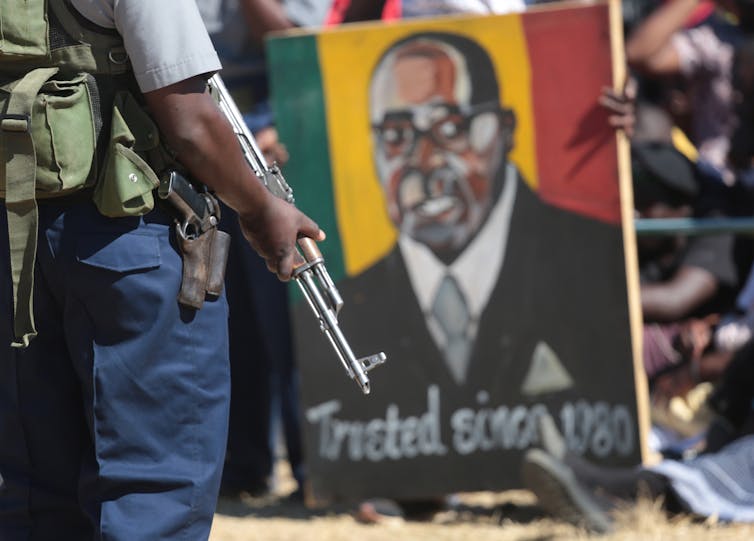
[450, 311]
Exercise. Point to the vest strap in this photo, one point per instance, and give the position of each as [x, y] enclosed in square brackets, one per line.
[20, 175]
[104, 51]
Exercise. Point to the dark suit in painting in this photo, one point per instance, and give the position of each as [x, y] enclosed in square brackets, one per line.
[548, 339]
[561, 283]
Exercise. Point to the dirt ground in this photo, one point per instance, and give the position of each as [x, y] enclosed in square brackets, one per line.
[483, 516]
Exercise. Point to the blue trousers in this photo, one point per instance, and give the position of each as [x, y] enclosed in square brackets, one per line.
[113, 422]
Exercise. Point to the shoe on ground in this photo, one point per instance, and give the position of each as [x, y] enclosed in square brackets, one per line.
[561, 494]
[251, 489]
[425, 509]
[378, 511]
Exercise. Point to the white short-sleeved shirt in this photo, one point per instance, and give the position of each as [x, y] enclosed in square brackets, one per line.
[166, 40]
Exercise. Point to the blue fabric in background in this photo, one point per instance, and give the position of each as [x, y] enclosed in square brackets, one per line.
[259, 117]
[718, 484]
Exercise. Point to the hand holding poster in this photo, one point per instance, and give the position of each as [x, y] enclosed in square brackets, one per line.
[468, 182]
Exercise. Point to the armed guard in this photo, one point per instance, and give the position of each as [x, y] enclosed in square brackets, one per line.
[113, 387]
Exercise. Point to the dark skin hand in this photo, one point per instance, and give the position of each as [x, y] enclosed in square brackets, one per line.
[703, 364]
[272, 149]
[205, 144]
[621, 106]
[695, 335]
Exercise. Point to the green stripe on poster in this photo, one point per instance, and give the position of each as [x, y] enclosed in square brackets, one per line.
[299, 107]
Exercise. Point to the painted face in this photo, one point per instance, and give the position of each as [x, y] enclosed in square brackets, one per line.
[437, 155]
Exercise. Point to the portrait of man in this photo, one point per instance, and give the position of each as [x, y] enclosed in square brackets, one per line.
[487, 288]
[441, 142]
[492, 304]
[489, 268]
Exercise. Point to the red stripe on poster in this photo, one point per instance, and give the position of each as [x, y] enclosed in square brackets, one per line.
[576, 148]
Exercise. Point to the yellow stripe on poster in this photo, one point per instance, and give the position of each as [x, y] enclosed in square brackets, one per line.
[347, 58]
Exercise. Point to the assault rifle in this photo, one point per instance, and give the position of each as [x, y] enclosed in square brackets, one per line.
[312, 276]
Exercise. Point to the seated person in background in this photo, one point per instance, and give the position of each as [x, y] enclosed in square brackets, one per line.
[681, 276]
[720, 341]
[684, 279]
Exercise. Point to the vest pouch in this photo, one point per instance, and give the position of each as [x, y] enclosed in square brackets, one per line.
[62, 130]
[64, 136]
[23, 30]
[127, 181]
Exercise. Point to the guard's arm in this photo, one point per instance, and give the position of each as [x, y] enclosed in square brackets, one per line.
[206, 145]
[311, 275]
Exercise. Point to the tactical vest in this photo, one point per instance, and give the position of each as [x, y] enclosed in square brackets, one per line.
[69, 122]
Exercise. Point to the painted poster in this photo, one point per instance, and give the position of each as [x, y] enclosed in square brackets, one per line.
[468, 182]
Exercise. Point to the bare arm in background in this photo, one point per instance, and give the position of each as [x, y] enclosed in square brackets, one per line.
[263, 16]
[205, 144]
[675, 299]
[649, 49]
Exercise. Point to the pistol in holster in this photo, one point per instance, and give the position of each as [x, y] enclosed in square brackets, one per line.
[203, 246]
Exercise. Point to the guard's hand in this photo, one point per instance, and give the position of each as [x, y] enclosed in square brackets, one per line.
[273, 231]
[621, 106]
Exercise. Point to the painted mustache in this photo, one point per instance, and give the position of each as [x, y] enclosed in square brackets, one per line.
[433, 195]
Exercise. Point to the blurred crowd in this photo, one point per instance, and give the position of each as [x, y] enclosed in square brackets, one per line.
[690, 65]
[688, 109]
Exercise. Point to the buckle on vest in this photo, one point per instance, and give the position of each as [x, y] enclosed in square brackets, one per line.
[15, 122]
[118, 56]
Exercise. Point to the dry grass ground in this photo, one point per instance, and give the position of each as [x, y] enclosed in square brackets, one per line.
[484, 516]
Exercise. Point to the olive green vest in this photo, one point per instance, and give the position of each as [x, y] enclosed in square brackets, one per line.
[68, 122]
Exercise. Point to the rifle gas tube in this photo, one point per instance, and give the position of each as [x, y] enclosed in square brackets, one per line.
[312, 276]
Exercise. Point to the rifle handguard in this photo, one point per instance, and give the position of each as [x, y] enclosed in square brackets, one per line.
[325, 301]
[311, 276]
